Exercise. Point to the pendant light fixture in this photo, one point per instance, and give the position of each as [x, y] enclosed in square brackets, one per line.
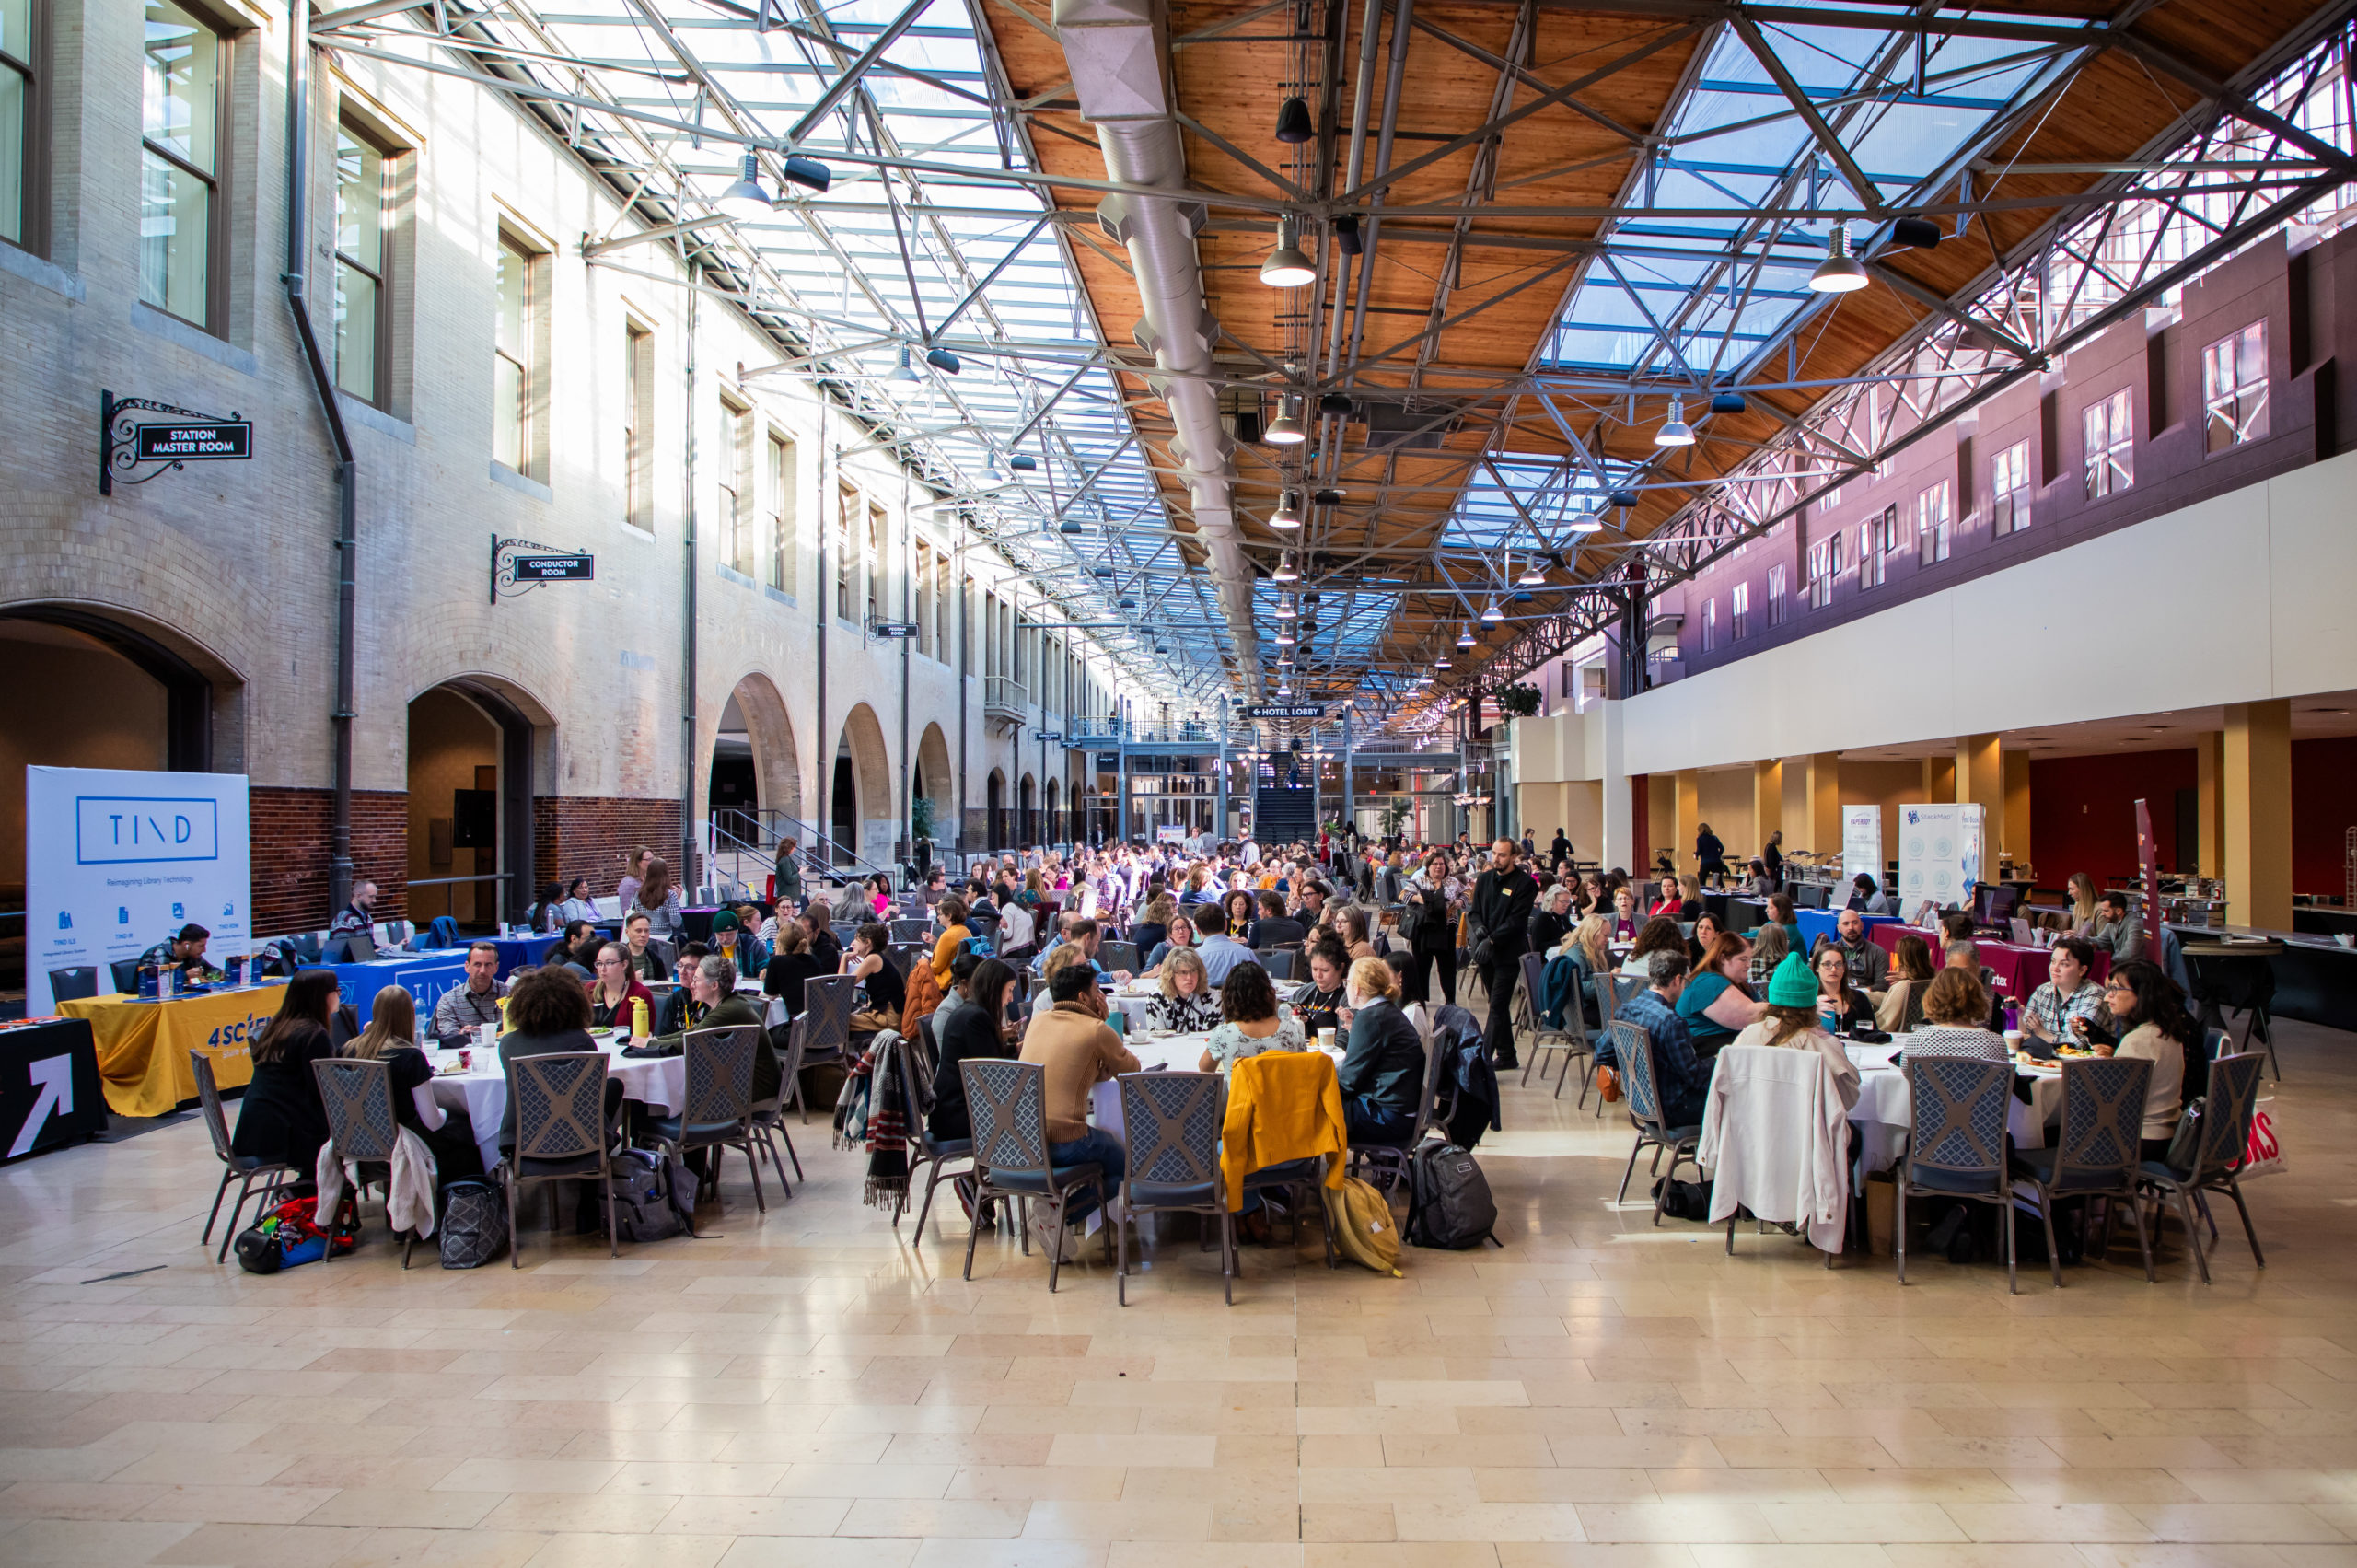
[1464, 636]
[1534, 574]
[1494, 614]
[1585, 521]
[1285, 610]
[745, 198]
[1284, 636]
[1839, 272]
[943, 360]
[1286, 266]
[1285, 430]
[1288, 512]
[1284, 572]
[903, 371]
[1294, 126]
[1676, 431]
[1442, 662]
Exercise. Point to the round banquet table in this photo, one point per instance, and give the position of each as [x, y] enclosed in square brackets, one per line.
[1886, 1105]
[657, 1082]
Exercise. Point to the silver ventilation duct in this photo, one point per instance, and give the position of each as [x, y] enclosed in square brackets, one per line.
[1119, 52]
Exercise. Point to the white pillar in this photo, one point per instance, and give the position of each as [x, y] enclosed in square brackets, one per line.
[1619, 824]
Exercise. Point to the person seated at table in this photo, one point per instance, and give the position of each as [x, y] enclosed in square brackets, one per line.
[1312, 911]
[715, 1002]
[792, 964]
[1717, 1004]
[1794, 1023]
[2142, 999]
[672, 1014]
[1770, 946]
[1319, 1000]
[752, 946]
[184, 951]
[1625, 920]
[2116, 933]
[887, 993]
[616, 994]
[2084, 908]
[1055, 964]
[959, 989]
[1867, 898]
[548, 1015]
[280, 1117]
[1868, 963]
[1551, 918]
[1955, 1020]
[1844, 1006]
[979, 1026]
[1079, 1050]
[818, 934]
[1152, 928]
[1682, 1078]
[626, 889]
[1243, 912]
[1274, 928]
[1183, 1003]
[2069, 1009]
[655, 895]
[729, 941]
[648, 959]
[1758, 882]
[467, 1006]
[546, 917]
[576, 904]
[1780, 912]
[576, 948]
[1587, 948]
[357, 918]
[1670, 899]
[1180, 934]
[1382, 1074]
[1706, 931]
[1659, 934]
[391, 1038]
[1219, 951]
[1357, 938]
[1912, 977]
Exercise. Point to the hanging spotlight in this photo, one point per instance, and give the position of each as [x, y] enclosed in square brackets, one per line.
[1464, 636]
[1335, 403]
[1288, 512]
[941, 359]
[1284, 572]
[1493, 613]
[1839, 272]
[1285, 430]
[1442, 662]
[1284, 637]
[904, 370]
[810, 173]
[1534, 574]
[1069, 525]
[1676, 432]
[1285, 609]
[1329, 497]
[745, 198]
[1294, 126]
[1286, 266]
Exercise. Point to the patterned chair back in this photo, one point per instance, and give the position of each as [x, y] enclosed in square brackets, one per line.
[915, 1087]
[1608, 999]
[910, 930]
[1007, 1105]
[1170, 1125]
[1533, 997]
[1959, 1124]
[216, 1120]
[2225, 1123]
[1632, 1050]
[1119, 956]
[826, 1003]
[905, 956]
[358, 1098]
[2103, 1118]
[719, 1069]
[560, 1104]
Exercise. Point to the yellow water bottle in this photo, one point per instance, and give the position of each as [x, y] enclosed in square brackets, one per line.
[638, 1018]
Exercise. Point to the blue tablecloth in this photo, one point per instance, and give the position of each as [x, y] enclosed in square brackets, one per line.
[423, 975]
[1824, 922]
[515, 952]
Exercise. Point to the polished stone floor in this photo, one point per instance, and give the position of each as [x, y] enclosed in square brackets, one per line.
[809, 1388]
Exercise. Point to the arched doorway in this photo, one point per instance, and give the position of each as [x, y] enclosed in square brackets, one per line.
[470, 804]
[937, 794]
[1055, 831]
[860, 821]
[994, 811]
[754, 794]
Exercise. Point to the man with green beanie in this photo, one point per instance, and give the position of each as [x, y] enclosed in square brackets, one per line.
[730, 941]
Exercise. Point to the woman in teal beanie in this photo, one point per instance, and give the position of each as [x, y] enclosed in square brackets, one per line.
[1793, 1024]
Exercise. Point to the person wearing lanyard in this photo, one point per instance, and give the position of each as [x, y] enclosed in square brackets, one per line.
[463, 1008]
[1503, 896]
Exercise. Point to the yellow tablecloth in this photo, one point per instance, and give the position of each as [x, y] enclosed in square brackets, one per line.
[144, 1046]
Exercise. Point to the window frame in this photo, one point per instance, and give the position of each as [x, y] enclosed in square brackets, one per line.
[738, 549]
[1824, 566]
[2245, 424]
[1738, 612]
[33, 66]
[780, 464]
[2111, 468]
[216, 183]
[638, 424]
[1935, 523]
[847, 505]
[381, 329]
[873, 545]
[532, 377]
[1780, 596]
[2009, 504]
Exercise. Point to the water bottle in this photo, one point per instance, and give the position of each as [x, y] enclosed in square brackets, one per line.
[2012, 1018]
[638, 1018]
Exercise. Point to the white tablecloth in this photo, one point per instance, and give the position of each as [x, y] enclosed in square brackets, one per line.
[1885, 1107]
[659, 1082]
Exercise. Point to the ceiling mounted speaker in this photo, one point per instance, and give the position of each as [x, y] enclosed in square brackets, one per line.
[1916, 234]
[1327, 497]
[1623, 498]
[1334, 403]
[1023, 462]
[1294, 125]
[1729, 403]
[1347, 237]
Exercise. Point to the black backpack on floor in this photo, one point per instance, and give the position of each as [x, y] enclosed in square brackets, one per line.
[1449, 1204]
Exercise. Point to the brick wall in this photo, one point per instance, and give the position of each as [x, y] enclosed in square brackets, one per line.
[575, 835]
[290, 832]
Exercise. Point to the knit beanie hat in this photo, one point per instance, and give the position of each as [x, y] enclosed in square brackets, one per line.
[725, 921]
[1793, 984]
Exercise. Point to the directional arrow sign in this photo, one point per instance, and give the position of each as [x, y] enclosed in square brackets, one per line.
[52, 1076]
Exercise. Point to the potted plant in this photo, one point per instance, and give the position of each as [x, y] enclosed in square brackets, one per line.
[1521, 700]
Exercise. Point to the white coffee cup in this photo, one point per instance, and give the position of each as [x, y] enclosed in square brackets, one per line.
[486, 1035]
[1326, 1039]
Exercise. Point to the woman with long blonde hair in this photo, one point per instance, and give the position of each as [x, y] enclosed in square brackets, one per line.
[2082, 905]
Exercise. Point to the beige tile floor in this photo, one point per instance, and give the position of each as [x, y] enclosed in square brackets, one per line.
[809, 1390]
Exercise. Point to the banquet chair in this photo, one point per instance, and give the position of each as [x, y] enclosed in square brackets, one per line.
[561, 1135]
[924, 1149]
[910, 930]
[125, 973]
[1632, 1048]
[1957, 1144]
[1277, 961]
[1387, 1163]
[1171, 1127]
[718, 1114]
[769, 1115]
[2096, 1156]
[244, 1169]
[357, 1094]
[1007, 1103]
[1570, 1037]
[2223, 1135]
[76, 984]
[905, 956]
[826, 1003]
[1114, 956]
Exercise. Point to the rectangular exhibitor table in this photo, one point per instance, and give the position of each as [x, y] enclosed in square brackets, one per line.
[1814, 924]
[142, 1046]
[50, 1089]
[424, 976]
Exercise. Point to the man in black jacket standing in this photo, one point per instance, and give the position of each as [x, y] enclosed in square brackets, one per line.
[1503, 896]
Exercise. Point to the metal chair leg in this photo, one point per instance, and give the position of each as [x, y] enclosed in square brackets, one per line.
[2013, 1281]
[974, 1232]
[220, 1192]
[1623, 1196]
[2046, 1217]
[2143, 1241]
[1898, 1227]
[2235, 1190]
[2192, 1231]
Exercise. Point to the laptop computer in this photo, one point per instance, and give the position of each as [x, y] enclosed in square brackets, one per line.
[2022, 934]
[358, 949]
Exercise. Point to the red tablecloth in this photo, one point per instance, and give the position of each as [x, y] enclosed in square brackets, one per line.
[2020, 969]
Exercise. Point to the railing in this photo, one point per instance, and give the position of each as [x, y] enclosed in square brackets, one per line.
[1003, 697]
[765, 831]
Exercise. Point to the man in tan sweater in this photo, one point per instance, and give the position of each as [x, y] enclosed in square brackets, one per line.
[1079, 1050]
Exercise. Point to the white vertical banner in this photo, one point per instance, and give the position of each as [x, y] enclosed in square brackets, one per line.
[1860, 847]
[1972, 824]
[1930, 855]
[116, 862]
